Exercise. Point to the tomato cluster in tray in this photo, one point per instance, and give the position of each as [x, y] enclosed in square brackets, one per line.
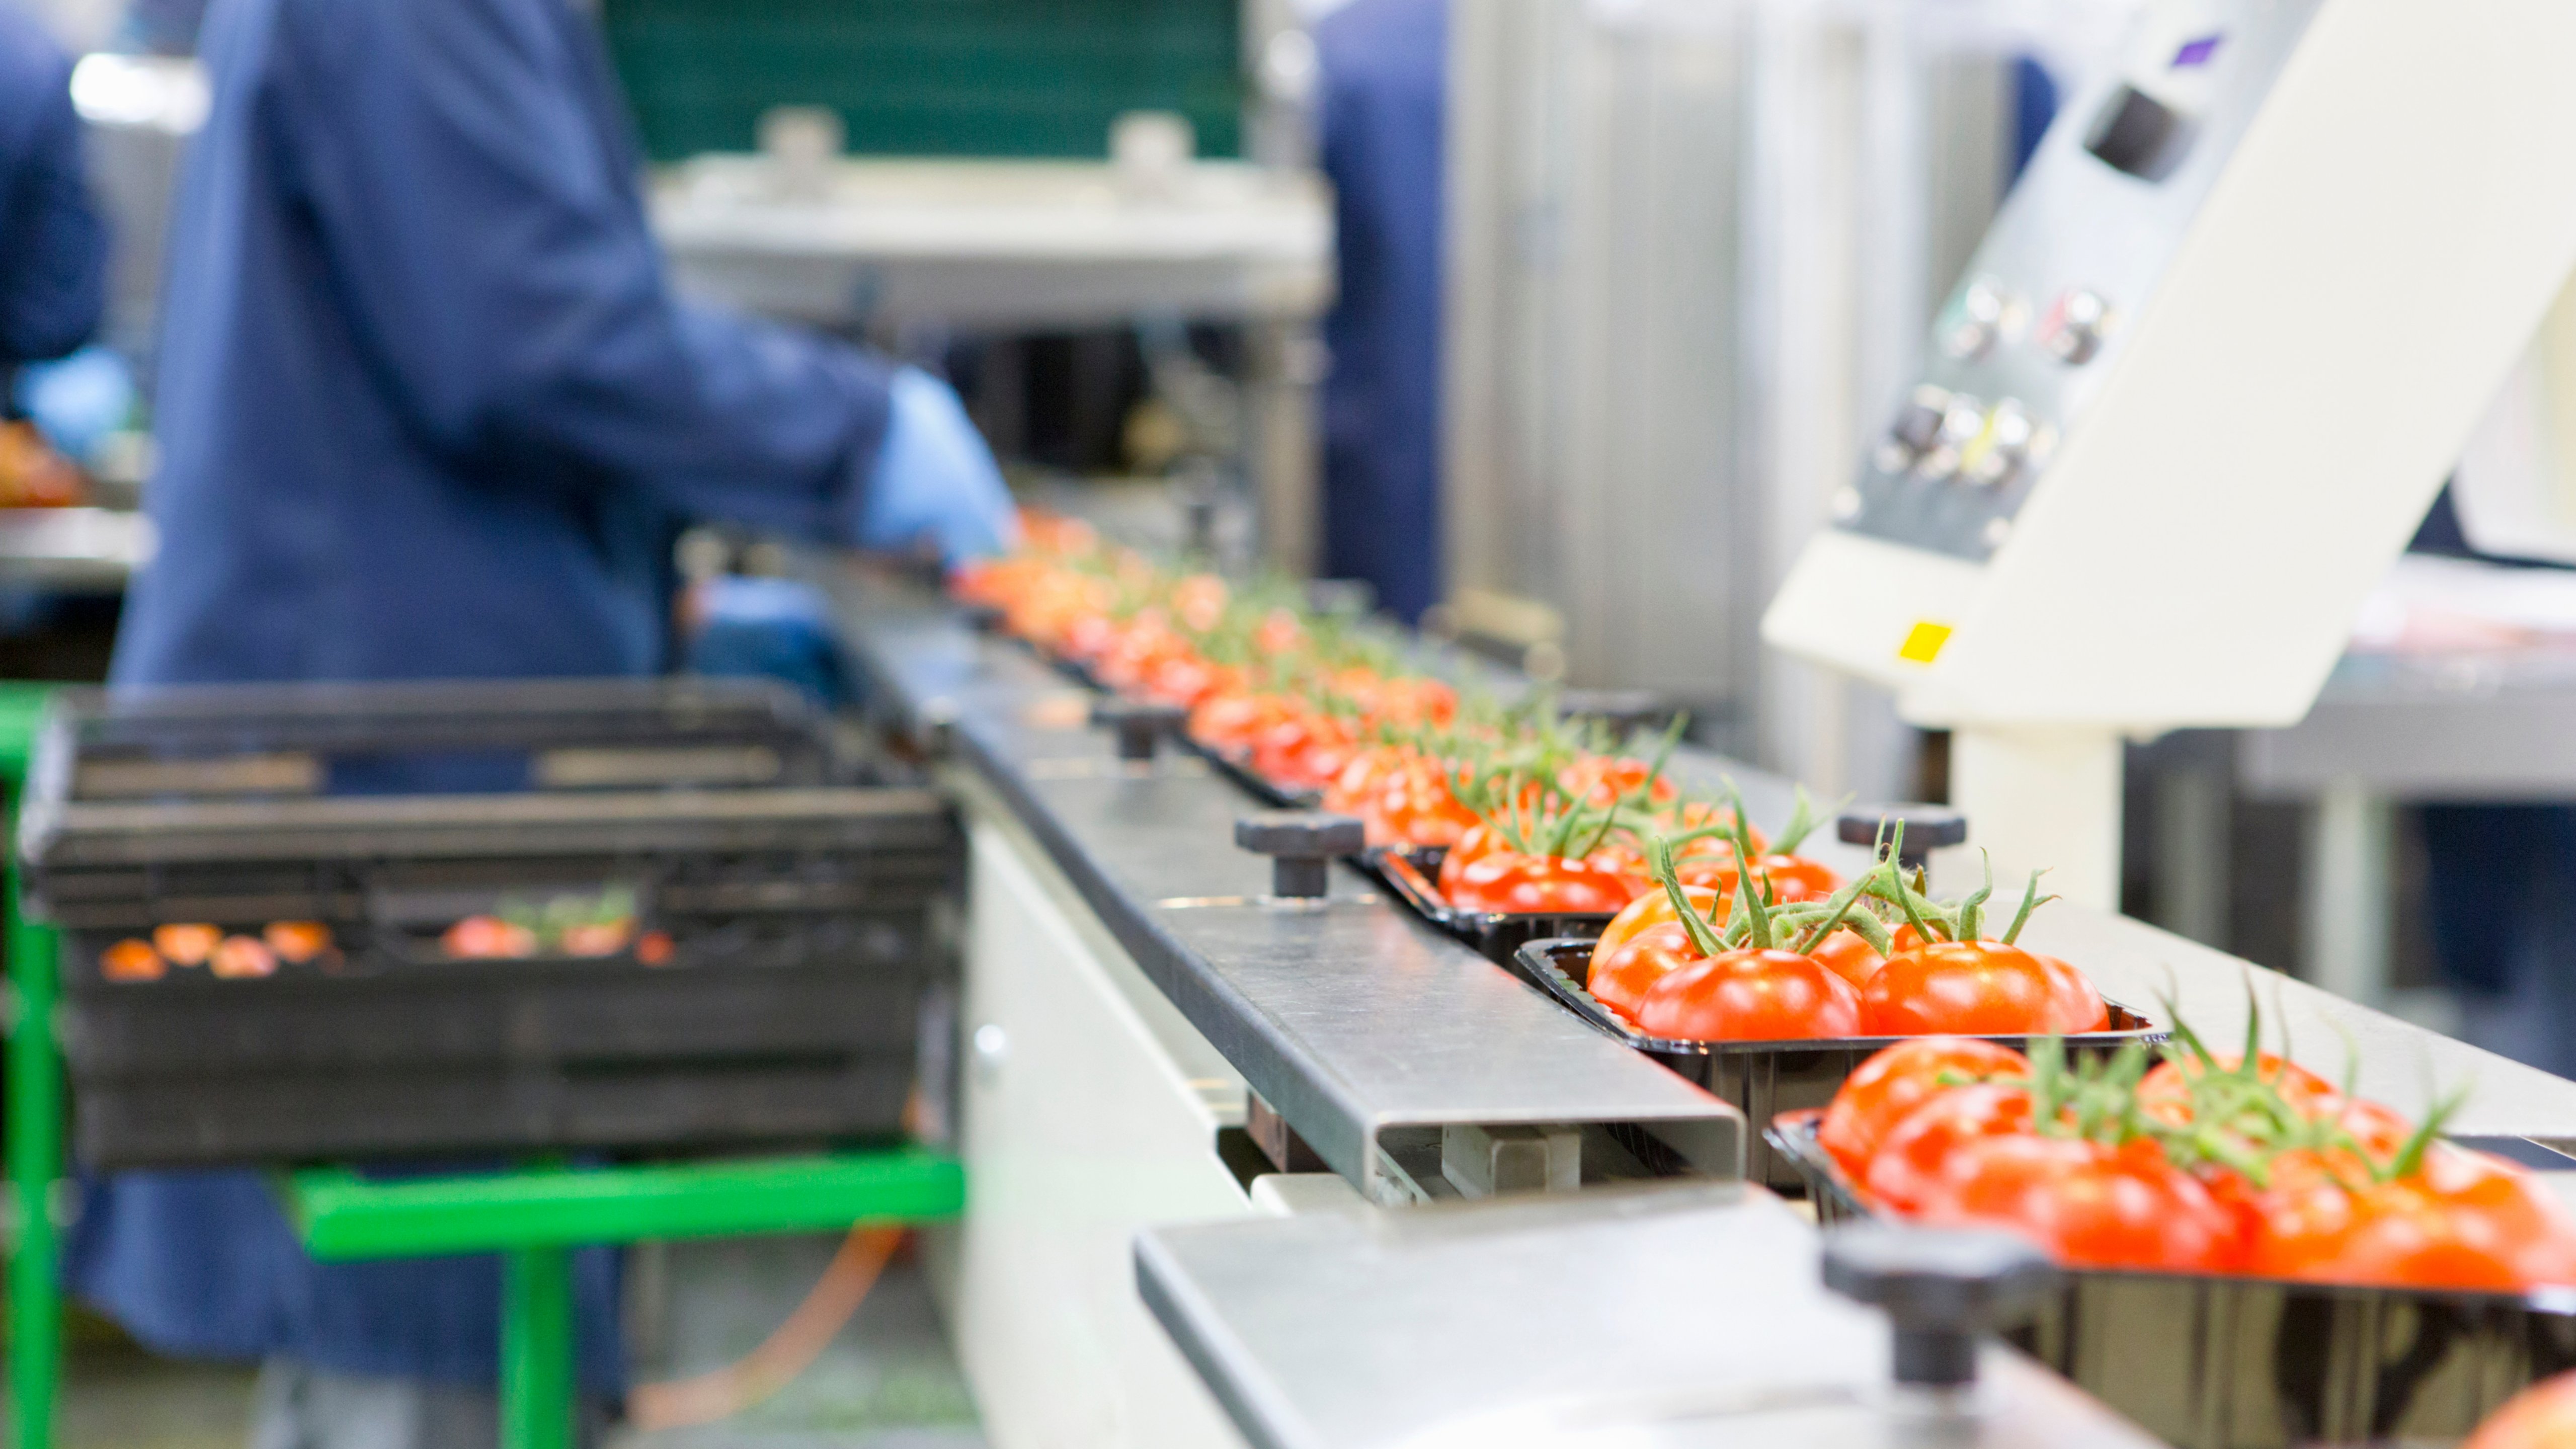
[2338, 1272]
[1508, 823]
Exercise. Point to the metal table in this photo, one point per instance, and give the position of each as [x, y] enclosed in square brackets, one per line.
[1634, 1318]
[79, 550]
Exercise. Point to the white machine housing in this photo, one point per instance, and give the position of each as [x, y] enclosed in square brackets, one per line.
[2190, 400]
[2195, 391]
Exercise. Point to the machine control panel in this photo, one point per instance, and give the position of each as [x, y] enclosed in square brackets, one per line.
[2023, 343]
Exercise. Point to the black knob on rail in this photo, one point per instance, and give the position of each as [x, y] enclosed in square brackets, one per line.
[1301, 844]
[1341, 598]
[1927, 828]
[1621, 709]
[1140, 724]
[1942, 1290]
[982, 618]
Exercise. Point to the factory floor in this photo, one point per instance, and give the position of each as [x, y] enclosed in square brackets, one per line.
[887, 1380]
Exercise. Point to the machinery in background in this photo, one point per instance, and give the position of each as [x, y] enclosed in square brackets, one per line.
[1690, 248]
[2195, 391]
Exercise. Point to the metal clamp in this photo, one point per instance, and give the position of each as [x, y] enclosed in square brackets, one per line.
[1140, 724]
[1301, 843]
[1927, 828]
[1942, 1289]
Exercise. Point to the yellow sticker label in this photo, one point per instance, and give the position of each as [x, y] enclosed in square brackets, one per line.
[1923, 642]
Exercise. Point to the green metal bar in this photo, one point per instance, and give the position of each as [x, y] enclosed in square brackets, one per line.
[35, 1117]
[536, 1349]
[342, 1216]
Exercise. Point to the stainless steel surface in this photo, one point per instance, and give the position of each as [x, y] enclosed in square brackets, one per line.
[1664, 1316]
[1363, 1027]
[76, 549]
[2034, 326]
[1007, 243]
[1692, 250]
[2454, 727]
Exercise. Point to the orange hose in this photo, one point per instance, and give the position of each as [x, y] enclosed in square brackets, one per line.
[705, 1398]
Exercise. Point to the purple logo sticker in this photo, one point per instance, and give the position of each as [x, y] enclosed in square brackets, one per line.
[2197, 52]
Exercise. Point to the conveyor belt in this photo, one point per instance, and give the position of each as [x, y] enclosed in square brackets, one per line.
[1363, 1027]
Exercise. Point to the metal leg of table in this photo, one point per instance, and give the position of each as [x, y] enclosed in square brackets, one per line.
[35, 1167]
[537, 1370]
[2348, 893]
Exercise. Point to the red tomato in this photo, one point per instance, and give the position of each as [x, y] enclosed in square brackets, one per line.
[1883, 1091]
[242, 958]
[132, 960]
[1349, 792]
[1620, 978]
[1654, 908]
[2165, 1092]
[1602, 779]
[1795, 878]
[1750, 995]
[1231, 722]
[1303, 751]
[297, 941]
[1479, 841]
[488, 937]
[1960, 988]
[2540, 1417]
[1413, 805]
[1848, 955]
[2077, 1006]
[2087, 1204]
[1509, 882]
[1906, 1169]
[186, 945]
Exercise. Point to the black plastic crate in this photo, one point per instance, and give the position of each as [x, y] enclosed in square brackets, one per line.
[726, 936]
[2219, 1362]
[1765, 1078]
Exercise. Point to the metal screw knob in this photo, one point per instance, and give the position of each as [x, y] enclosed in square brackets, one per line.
[1301, 843]
[1140, 723]
[1942, 1288]
[1621, 709]
[1927, 829]
[982, 618]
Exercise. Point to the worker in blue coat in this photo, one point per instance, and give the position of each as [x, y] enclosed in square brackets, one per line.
[428, 408]
[1384, 67]
[53, 251]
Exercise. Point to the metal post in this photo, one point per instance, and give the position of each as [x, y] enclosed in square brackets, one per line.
[536, 1349]
[35, 1166]
[2347, 894]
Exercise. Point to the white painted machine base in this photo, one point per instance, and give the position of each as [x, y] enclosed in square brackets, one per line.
[2043, 798]
[1090, 1110]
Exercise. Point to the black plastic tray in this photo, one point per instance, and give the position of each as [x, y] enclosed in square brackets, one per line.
[1410, 875]
[2216, 1362]
[797, 920]
[1764, 1078]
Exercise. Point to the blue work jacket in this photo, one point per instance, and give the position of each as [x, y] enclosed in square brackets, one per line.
[1385, 84]
[53, 251]
[427, 408]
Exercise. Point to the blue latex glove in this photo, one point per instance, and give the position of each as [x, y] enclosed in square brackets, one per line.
[934, 477]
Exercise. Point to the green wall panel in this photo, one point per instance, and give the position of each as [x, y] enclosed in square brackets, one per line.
[929, 77]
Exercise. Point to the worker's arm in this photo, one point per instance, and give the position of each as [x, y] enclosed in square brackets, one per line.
[53, 251]
[476, 213]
